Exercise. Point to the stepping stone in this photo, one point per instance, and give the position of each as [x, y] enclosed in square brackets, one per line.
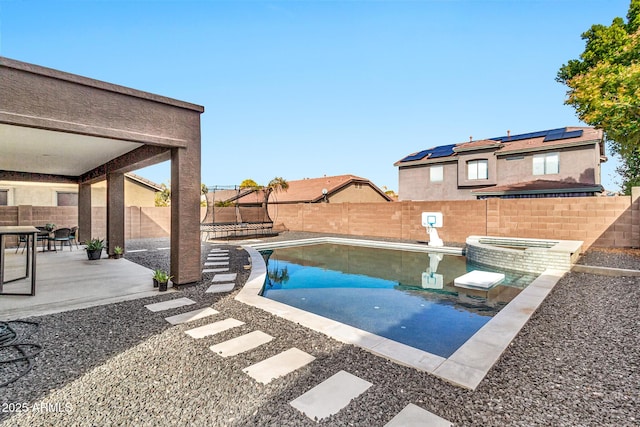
[213, 328]
[217, 263]
[415, 416]
[215, 270]
[218, 258]
[278, 365]
[224, 277]
[191, 316]
[166, 305]
[330, 396]
[223, 287]
[219, 250]
[241, 344]
[132, 251]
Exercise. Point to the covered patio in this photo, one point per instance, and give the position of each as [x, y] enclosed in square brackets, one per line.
[67, 280]
[63, 128]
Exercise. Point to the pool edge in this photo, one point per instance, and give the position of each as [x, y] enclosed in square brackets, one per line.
[466, 367]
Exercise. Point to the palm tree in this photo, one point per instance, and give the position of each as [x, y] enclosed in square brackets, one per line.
[277, 184]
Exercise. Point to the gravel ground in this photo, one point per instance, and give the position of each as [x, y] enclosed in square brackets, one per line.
[575, 363]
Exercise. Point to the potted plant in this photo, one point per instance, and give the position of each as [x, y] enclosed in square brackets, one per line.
[117, 252]
[50, 227]
[161, 280]
[94, 248]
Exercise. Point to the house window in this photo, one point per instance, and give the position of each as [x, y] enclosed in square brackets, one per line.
[546, 164]
[67, 199]
[4, 197]
[478, 169]
[436, 173]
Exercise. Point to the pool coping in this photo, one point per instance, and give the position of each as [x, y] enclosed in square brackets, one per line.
[466, 367]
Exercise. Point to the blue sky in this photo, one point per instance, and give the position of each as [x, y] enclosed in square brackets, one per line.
[301, 89]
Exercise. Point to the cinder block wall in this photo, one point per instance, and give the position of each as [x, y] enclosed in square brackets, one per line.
[597, 221]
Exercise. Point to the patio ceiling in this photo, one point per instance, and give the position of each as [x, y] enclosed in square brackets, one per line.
[33, 150]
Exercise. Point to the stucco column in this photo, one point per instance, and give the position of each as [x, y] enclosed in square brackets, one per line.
[115, 210]
[185, 214]
[84, 212]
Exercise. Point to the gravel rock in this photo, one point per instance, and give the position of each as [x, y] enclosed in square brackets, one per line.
[574, 363]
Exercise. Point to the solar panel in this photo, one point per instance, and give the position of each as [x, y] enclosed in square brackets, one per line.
[563, 135]
[529, 135]
[417, 156]
[433, 153]
[442, 151]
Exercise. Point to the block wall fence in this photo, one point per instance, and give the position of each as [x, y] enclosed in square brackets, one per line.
[598, 221]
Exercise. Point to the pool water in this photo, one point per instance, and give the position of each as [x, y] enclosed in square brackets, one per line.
[408, 297]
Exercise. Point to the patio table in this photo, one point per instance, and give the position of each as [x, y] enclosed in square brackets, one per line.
[31, 233]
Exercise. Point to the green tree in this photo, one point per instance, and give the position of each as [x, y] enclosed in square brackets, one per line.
[604, 87]
[163, 197]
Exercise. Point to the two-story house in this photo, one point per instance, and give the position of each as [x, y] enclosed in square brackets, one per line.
[560, 162]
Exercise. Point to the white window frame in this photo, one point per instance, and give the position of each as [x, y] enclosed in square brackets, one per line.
[436, 173]
[475, 172]
[546, 164]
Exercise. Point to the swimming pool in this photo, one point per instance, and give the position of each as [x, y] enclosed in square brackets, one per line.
[405, 296]
[466, 367]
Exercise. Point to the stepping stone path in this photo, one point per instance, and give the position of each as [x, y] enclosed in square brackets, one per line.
[330, 396]
[191, 316]
[224, 287]
[215, 270]
[213, 328]
[278, 365]
[224, 277]
[241, 344]
[172, 303]
[415, 416]
[326, 399]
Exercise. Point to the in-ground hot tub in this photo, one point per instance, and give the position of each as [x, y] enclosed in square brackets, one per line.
[531, 255]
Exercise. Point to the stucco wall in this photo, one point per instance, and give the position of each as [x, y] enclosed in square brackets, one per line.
[45, 194]
[580, 164]
[356, 193]
[577, 164]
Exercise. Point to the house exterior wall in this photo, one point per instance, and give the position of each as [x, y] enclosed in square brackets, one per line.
[577, 164]
[492, 169]
[356, 193]
[45, 194]
[415, 184]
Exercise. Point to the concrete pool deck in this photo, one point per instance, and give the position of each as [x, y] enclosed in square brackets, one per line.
[465, 368]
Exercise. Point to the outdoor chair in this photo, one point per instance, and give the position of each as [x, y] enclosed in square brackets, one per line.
[22, 239]
[61, 235]
[43, 236]
[73, 236]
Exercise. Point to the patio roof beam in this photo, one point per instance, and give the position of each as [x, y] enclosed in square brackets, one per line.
[146, 155]
[36, 177]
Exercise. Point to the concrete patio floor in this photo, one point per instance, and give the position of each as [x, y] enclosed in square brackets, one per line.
[67, 280]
